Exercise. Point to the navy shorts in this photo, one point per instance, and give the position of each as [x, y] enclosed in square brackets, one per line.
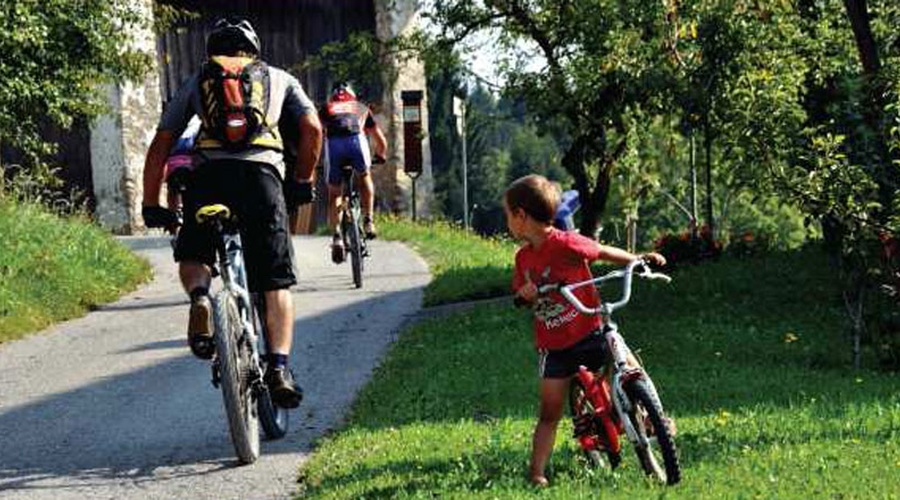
[352, 150]
[591, 351]
[253, 192]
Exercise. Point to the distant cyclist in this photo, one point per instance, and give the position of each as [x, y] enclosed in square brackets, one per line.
[347, 122]
[180, 166]
[238, 162]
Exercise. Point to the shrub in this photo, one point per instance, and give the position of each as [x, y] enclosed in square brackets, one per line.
[684, 248]
[749, 244]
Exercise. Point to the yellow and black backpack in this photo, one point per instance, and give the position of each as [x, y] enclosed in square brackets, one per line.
[234, 95]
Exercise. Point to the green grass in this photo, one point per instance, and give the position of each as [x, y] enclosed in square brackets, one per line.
[748, 356]
[464, 266]
[52, 269]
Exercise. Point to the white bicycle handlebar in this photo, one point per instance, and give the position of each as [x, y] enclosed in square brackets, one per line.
[607, 308]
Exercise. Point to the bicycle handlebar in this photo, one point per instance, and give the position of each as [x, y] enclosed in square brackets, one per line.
[607, 308]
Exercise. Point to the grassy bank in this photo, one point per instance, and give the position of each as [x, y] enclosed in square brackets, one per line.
[52, 269]
[748, 356]
[464, 266]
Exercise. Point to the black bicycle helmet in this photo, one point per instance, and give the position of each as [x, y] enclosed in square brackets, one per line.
[230, 35]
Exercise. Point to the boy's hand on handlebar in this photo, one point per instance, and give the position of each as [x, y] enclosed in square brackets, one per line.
[654, 258]
[529, 291]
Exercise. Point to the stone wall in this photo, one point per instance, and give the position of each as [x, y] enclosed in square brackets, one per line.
[395, 18]
[119, 141]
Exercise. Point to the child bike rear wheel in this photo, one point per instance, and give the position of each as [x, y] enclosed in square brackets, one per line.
[235, 377]
[659, 458]
[581, 408]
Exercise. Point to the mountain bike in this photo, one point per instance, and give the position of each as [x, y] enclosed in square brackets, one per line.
[352, 233]
[240, 337]
[620, 399]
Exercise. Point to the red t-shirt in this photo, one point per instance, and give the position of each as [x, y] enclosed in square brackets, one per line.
[562, 258]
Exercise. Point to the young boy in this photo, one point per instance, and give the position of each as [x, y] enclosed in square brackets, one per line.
[564, 338]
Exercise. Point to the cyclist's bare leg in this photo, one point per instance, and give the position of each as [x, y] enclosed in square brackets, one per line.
[553, 395]
[194, 275]
[335, 194]
[335, 200]
[280, 325]
[280, 320]
[367, 193]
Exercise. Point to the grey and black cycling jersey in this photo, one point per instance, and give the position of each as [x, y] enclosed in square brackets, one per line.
[287, 103]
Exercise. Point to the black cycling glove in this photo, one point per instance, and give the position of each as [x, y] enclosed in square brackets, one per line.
[156, 216]
[298, 193]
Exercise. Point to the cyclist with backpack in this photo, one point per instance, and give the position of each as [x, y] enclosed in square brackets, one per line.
[238, 162]
[347, 122]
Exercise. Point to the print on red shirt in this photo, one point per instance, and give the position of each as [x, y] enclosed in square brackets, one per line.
[562, 258]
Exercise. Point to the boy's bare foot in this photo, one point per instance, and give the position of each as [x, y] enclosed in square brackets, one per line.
[539, 481]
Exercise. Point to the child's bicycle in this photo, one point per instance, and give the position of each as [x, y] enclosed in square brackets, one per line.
[622, 399]
[239, 332]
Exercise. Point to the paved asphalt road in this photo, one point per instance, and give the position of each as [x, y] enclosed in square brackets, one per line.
[113, 405]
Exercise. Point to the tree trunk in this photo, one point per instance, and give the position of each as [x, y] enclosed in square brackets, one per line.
[876, 102]
[710, 222]
[693, 160]
[858, 12]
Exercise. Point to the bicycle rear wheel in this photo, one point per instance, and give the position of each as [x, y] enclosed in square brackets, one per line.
[354, 238]
[272, 418]
[580, 407]
[234, 370]
[650, 422]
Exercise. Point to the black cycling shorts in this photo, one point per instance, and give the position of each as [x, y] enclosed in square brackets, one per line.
[591, 351]
[253, 192]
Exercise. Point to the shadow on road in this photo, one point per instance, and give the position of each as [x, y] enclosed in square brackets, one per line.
[166, 421]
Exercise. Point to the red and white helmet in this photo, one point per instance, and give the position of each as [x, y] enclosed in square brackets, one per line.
[342, 91]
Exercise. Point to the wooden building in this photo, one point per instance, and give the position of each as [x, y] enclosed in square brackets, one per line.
[290, 31]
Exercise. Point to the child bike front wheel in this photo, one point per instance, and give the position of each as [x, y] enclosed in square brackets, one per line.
[655, 446]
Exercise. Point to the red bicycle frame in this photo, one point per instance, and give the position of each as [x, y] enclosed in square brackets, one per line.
[596, 390]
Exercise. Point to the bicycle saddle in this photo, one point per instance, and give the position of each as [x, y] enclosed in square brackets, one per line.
[210, 212]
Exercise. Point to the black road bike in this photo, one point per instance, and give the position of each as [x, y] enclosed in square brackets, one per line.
[352, 233]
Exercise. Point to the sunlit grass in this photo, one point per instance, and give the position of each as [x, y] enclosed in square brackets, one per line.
[464, 265]
[53, 269]
[749, 357]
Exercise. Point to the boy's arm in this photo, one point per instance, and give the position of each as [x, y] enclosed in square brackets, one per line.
[620, 256]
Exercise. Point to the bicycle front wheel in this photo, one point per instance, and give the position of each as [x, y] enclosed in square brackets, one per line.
[234, 372]
[354, 238]
[653, 427]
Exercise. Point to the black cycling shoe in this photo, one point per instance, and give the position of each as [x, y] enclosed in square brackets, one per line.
[337, 249]
[285, 392]
[369, 229]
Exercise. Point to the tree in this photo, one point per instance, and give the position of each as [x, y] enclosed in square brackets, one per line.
[599, 59]
[846, 172]
[56, 54]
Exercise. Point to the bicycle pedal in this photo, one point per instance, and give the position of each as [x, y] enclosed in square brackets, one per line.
[216, 377]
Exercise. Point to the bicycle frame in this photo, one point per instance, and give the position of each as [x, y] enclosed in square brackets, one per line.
[620, 373]
[350, 193]
[234, 279]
